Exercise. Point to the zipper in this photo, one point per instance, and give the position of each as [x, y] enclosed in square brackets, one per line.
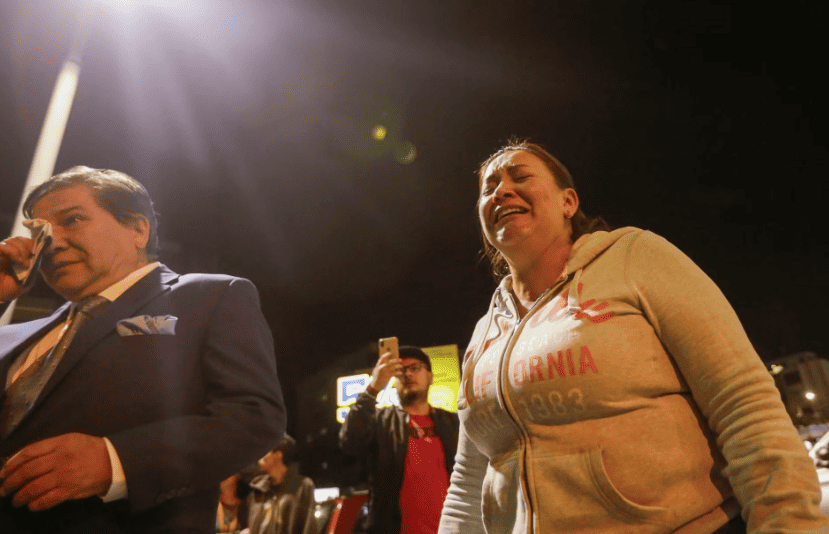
[513, 336]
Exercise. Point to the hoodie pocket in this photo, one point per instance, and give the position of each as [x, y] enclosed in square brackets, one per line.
[584, 494]
[613, 495]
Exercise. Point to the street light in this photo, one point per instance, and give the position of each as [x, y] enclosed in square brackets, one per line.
[54, 125]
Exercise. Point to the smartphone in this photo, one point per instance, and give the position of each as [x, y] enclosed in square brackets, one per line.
[388, 344]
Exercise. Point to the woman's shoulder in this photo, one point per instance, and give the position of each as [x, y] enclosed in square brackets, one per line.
[632, 237]
[631, 250]
[648, 242]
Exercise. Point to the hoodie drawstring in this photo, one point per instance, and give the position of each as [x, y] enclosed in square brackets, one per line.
[573, 306]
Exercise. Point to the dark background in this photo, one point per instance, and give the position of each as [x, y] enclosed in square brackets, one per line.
[249, 122]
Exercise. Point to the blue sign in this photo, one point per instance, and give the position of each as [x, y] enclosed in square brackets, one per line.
[348, 387]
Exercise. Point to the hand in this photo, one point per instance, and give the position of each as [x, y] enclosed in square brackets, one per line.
[49, 472]
[13, 251]
[387, 367]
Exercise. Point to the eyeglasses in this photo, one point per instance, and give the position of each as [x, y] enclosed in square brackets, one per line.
[414, 368]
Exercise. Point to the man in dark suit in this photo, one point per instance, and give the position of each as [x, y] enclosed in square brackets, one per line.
[134, 417]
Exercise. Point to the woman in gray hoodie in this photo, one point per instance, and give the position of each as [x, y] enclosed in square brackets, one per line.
[610, 387]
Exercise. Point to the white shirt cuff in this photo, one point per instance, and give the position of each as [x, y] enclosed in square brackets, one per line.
[118, 488]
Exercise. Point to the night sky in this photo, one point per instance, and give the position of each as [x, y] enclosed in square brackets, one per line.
[250, 124]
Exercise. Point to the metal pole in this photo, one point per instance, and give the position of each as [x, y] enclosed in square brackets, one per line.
[54, 126]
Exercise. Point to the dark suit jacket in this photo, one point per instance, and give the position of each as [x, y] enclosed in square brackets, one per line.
[183, 411]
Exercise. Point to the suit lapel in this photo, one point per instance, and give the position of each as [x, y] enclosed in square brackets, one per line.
[23, 335]
[104, 320]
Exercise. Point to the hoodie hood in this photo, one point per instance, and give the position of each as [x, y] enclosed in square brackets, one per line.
[590, 246]
[586, 249]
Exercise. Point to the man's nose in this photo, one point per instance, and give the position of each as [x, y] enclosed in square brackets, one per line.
[58, 240]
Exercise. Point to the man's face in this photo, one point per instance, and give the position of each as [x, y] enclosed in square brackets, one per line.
[90, 249]
[414, 379]
[273, 464]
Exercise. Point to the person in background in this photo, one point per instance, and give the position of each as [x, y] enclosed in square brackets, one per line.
[231, 515]
[281, 500]
[610, 387]
[116, 409]
[411, 448]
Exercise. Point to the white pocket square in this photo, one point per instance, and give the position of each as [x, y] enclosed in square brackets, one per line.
[145, 324]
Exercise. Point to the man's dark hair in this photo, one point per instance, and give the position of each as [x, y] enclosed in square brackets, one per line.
[407, 351]
[288, 448]
[118, 193]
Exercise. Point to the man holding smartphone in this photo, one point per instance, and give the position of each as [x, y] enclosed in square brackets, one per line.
[411, 447]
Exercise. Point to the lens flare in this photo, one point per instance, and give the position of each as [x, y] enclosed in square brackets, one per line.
[378, 133]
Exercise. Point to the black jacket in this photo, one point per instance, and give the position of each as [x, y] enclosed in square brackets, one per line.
[285, 508]
[382, 435]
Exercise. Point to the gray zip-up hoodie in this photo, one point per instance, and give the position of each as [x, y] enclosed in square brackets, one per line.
[627, 400]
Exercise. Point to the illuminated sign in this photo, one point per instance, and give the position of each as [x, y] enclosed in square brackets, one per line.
[348, 387]
[446, 379]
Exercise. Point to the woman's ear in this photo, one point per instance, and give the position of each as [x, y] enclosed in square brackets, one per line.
[570, 201]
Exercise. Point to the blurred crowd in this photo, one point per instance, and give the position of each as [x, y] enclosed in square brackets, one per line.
[269, 497]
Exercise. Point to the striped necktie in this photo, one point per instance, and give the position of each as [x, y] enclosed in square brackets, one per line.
[23, 392]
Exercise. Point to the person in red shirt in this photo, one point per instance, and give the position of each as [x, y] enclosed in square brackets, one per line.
[411, 447]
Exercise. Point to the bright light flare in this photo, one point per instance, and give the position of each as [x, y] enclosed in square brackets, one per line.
[128, 7]
[776, 369]
[405, 152]
[810, 395]
[378, 133]
[119, 3]
[127, 4]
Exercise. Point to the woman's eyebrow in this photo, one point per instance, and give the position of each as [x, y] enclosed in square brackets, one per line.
[511, 170]
[515, 168]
